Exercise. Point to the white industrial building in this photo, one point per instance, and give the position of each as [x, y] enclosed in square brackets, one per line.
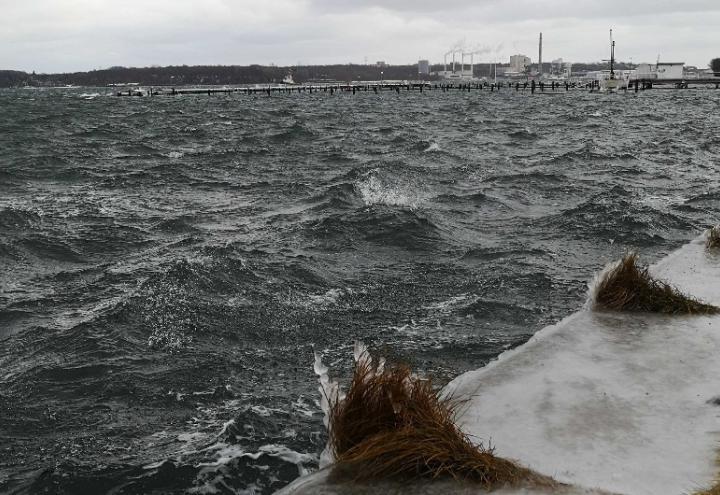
[663, 70]
[519, 63]
[670, 70]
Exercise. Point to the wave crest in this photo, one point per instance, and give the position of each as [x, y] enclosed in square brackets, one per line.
[375, 191]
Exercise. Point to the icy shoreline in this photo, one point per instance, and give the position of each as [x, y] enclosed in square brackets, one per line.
[618, 402]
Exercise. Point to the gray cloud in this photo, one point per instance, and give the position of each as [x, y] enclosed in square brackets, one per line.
[58, 35]
[526, 9]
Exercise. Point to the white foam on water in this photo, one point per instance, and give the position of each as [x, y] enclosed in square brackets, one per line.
[265, 412]
[375, 191]
[452, 303]
[328, 298]
[433, 147]
[226, 453]
[300, 406]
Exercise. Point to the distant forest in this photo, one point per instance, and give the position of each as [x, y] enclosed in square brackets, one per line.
[233, 74]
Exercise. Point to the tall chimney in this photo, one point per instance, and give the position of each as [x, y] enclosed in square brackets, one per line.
[540, 58]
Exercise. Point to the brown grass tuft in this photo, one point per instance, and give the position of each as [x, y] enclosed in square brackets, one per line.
[712, 239]
[715, 489]
[628, 287]
[393, 425]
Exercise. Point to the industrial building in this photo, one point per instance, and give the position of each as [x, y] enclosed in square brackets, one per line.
[662, 70]
[465, 72]
[423, 67]
[519, 63]
[669, 70]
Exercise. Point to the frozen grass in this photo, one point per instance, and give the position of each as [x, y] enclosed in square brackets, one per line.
[626, 286]
[712, 238]
[715, 489]
[392, 424]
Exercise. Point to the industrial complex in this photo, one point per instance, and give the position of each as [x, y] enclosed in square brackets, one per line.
[459, 65]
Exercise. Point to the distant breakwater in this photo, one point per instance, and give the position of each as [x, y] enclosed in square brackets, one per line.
[398, 86]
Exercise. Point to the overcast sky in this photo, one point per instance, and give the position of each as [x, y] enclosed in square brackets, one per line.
[72, 35]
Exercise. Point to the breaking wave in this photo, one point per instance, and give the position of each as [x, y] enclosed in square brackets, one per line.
[376, 191]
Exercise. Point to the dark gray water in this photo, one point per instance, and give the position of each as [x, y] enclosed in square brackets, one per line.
[168, 265]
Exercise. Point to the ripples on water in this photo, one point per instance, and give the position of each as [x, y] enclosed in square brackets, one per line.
[169, 264]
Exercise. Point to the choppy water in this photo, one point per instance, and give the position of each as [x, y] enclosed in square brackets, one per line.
[168, 265]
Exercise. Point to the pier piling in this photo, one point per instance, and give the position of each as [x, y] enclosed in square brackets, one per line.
[410, 86]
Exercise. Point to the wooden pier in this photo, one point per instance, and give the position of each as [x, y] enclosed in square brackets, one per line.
[674, 83]
[420, 86]
[371, 86]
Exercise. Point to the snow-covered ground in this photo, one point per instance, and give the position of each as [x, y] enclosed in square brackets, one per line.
[625, 403]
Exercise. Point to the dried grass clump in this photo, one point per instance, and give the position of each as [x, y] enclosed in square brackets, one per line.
[712, 238]
[715, 489]
[393, 425]
[628, 287]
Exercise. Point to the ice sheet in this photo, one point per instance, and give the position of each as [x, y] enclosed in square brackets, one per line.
[624, 403]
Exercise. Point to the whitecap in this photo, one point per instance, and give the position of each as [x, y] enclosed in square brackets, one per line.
[376, 192]
[227, 453]
[330, 297]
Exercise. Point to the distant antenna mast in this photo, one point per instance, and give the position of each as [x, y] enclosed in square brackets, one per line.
[612, 56]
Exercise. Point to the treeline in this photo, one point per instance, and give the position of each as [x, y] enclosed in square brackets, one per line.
[715, 66]
[208, 74]
[13, 78]
[234, 74]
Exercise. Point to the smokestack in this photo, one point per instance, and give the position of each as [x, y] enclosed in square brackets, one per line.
[540, 58]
